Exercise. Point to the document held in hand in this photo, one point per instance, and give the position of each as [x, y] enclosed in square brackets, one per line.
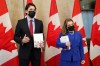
[64, 39]
[38, 40]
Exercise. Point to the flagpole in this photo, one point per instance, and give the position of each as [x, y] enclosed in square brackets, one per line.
[24, 8]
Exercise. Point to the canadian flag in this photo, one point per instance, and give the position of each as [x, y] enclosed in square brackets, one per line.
[8, 50]
[77, 18]
[95, 36]
[52, 53]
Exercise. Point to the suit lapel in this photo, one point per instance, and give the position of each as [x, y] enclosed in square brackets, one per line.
[36, 25]
[26, 26]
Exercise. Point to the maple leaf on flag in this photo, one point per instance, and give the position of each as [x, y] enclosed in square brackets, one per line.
[52, 34]
[96, 34]
[5, 39]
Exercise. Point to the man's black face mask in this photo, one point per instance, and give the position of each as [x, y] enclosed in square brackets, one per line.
[31, 14]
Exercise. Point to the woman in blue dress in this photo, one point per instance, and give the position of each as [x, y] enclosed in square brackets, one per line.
[70, 41]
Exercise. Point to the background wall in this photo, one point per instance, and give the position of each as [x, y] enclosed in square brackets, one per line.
[16, 10]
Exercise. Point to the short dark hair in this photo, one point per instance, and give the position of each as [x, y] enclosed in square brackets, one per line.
[28, 5]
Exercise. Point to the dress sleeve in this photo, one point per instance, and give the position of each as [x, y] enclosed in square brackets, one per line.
[81, 48]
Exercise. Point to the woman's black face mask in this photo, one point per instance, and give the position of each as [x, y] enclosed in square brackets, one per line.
[71, 28]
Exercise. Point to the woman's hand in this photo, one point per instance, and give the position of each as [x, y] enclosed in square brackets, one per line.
[68, 44]
[83, 61]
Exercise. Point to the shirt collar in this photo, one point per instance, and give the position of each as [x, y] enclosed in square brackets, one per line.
[33, 20]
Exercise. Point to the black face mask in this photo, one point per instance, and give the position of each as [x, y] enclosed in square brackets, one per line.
[71, 28]
[31, 14]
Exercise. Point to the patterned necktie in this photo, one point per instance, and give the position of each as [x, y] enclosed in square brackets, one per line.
[31, 28]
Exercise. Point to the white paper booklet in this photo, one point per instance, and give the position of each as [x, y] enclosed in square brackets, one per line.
[64, 39]
[38, 40]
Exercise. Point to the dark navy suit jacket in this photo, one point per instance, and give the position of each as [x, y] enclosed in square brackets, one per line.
[76, 53]
[22, 29]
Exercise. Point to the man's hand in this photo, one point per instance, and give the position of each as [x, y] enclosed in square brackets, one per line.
[41, 44]
[25, 39]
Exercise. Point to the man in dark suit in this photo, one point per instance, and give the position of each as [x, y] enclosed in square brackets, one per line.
[24, 37]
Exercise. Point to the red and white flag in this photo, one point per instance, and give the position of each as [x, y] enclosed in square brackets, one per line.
[95, 36]
[77, 18]
[8, 50]
[52, 53]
